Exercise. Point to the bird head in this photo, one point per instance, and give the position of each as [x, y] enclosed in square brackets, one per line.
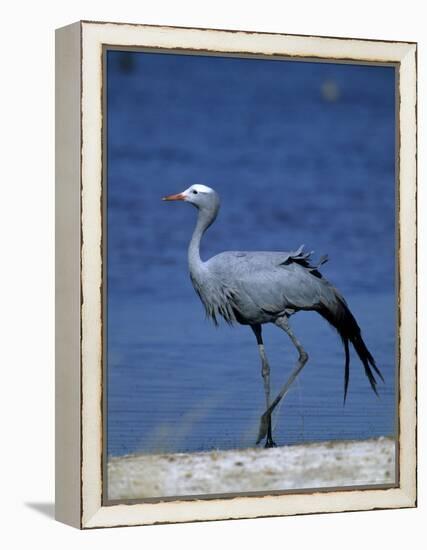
[200, 196]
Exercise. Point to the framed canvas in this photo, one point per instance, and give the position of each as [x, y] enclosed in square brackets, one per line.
[161, 416]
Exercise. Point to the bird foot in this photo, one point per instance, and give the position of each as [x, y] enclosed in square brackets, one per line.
[269, 444]
[263, 427]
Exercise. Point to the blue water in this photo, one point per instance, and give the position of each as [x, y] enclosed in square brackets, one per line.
[299, 153]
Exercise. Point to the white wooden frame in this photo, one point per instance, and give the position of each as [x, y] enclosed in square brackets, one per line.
[79, 269]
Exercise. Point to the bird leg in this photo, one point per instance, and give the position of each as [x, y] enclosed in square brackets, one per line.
[265, 372]
[282, 322]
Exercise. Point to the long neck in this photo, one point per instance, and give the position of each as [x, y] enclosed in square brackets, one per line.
[204, 220]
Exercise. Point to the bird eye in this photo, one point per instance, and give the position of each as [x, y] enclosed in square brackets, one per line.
[194, 192]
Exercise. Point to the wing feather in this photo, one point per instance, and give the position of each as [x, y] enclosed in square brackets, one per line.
[249, 285]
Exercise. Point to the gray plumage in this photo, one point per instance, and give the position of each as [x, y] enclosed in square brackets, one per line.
[254, 288]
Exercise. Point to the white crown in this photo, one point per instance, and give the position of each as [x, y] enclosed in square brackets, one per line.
[201, 188]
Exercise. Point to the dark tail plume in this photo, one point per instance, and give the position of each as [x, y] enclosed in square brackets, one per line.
[347, 367]
[340, 317]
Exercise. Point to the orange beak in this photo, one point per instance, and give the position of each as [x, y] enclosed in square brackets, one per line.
[177, 197]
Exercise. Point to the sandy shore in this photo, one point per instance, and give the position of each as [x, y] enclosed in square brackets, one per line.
[314, 465]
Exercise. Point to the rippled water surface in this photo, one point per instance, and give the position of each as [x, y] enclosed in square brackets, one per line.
[299, 153]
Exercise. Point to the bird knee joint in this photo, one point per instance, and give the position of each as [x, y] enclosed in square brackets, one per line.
[303, 356]
[265, 371]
